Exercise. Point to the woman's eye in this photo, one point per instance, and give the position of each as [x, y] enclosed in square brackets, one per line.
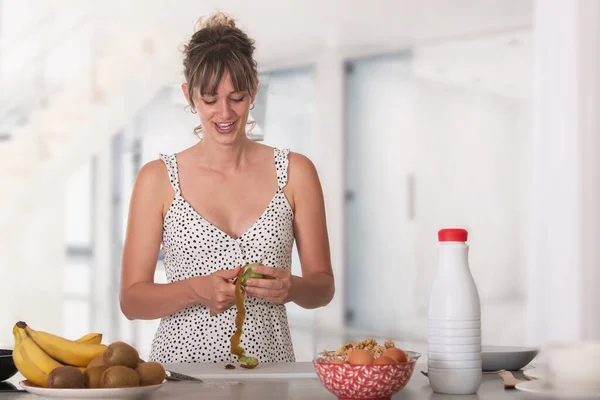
[209, 102]
[238, 100]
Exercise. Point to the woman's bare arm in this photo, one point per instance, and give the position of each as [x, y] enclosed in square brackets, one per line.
[140, 297]
[316, 286]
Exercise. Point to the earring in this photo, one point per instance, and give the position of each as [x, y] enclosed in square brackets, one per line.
[193, 111]
[252, 106]
[252, 125]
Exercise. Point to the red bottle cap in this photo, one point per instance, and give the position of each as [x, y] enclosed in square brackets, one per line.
[452, 235]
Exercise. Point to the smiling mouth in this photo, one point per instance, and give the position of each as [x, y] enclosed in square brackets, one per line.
[225, 128]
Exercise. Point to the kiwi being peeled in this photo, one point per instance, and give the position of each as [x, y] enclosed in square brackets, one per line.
[120, 353]
[248, 273]
[66, 377]
[151, 373]
[119, 376]
[93, 375]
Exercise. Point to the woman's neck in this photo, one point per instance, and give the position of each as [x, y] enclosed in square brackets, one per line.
[224, 158]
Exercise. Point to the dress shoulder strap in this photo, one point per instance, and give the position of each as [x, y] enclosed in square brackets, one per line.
[281, 164]
[170, 161]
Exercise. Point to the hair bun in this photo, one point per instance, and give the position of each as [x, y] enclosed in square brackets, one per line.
[215, 20]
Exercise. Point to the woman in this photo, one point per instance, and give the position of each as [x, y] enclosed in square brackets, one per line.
[221, 204]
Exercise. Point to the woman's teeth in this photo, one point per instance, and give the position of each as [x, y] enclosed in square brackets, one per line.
[225, 128]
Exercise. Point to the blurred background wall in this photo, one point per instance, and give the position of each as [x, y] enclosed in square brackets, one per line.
[419, 115]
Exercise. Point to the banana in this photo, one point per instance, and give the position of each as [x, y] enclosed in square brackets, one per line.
[93, 338]
[31, 361]
[64, 350]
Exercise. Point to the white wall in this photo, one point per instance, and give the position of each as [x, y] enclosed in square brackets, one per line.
[468, 151]
[470, 173]
[565, 216]
[468, 176]
[32, 248]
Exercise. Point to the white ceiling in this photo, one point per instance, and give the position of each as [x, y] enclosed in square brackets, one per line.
[480, 44]
[499, 64]
[295, 28]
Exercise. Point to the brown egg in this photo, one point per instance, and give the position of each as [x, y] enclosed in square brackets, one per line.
[383, 360]
[395, 353]
[362, 357]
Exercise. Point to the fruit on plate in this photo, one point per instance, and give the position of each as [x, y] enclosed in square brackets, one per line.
[92, 338]
[119, 376]
[120, 353]
[66, 377]
[52, 361]
[97, 362]
[92, 376]
[64, 350]
[31, 361]
[151, 373]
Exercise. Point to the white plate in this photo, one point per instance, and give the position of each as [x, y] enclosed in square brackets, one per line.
[542, 388]
[534, 373]
[496, 358]
[120, 393]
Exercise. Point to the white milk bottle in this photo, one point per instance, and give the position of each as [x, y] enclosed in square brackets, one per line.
[454, 335]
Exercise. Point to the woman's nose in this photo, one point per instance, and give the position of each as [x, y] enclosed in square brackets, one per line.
[225, 111]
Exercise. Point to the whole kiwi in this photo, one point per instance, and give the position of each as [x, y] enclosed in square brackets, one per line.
[92, 376]
[151, 373]
[119, 376]
[97, 362]
[66, 377]
[120, 353]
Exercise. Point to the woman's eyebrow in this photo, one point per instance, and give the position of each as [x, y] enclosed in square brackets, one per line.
[215, 94]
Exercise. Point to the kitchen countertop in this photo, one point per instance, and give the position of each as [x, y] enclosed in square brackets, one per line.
[297, 388]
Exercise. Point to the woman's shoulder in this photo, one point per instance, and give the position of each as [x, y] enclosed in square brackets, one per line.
[153, 168]
[302, 172]
[153, 174]
[298, 159]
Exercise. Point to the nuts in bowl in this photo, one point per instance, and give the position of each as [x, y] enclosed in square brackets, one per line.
[358, 371]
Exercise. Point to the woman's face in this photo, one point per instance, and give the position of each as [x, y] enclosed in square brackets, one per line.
[223, 114]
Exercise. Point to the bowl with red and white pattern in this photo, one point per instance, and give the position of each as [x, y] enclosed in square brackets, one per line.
[361, 382]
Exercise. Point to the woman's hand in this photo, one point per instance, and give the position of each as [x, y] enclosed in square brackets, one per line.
[219, 292]
[275, 287]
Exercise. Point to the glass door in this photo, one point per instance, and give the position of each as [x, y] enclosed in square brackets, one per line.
[380, 97]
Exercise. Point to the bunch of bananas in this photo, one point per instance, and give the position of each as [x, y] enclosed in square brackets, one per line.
[37, 353]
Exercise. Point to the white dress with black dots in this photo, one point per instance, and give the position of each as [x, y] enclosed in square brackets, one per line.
[194, 247]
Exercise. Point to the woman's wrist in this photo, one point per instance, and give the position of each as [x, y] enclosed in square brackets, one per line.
[195, 288]
[295, 283]
[312, 292]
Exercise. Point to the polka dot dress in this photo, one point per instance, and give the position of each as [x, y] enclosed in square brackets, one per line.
[194, 247]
